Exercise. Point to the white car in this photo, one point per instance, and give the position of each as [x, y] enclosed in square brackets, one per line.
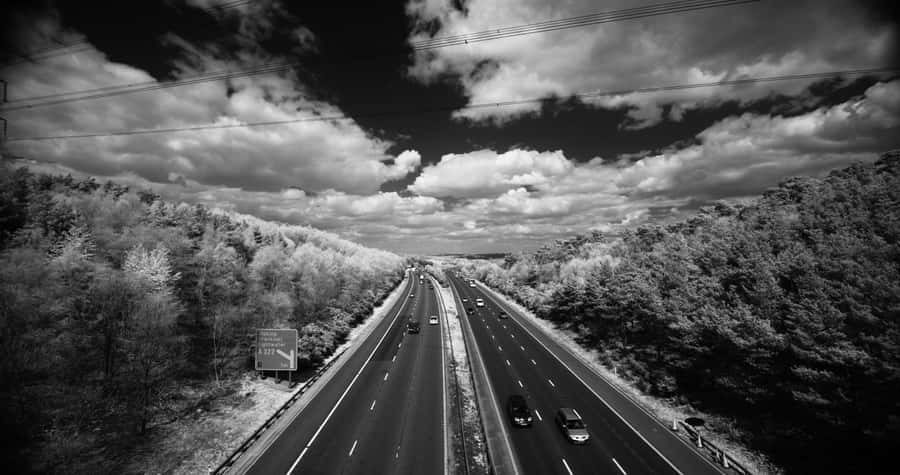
[472, 284]
[433, 320]
[479, 303]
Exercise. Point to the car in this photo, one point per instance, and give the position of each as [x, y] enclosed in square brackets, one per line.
[471, 284]
[412, 326]
[412, 295]
[479, 303]
[433, 320]
[465, 300]
[470, 310]
[572, 426]
[518, 411]
[502, 314]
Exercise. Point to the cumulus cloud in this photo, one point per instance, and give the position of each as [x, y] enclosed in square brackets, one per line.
[736, 157]
[308, 152]
[653, 51]
[486, 173]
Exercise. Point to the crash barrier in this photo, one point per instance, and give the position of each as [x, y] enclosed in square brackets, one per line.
[462, 322]
[706, 447]
[271, 420]
[459, 397]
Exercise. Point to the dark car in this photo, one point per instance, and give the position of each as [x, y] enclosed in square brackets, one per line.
[518, 411]
[502, 314]
[470, 310]
[412, 326]
[572, 426]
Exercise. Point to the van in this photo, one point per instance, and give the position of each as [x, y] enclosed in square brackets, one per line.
[571, 425]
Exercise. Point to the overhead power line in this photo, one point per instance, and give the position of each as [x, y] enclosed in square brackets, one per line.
[59, 45]
[586, 95]
[97, 93]
[227, 5]
[575, 22]
[108, 91]
[47, 54]
[54, 51]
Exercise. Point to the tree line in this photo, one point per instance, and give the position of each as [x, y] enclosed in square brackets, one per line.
[782, 313]
[112, 298]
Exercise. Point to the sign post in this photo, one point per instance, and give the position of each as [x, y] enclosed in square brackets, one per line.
[276, 349]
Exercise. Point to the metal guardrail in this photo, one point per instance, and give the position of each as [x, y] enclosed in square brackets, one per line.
[710, 449]
[224, 466]
[271, 420]
[703, 445]
[460, 311]
[459, 398]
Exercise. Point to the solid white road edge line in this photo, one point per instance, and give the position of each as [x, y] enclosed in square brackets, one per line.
[669, 462]
[439, 300]
[338, 403]
[491, 393]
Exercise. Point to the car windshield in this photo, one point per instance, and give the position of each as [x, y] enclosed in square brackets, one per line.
[574, 424]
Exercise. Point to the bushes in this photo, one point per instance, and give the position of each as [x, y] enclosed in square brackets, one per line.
[113, 297]
[783, 314]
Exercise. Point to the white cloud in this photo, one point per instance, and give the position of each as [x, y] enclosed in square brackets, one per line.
[311, 153]
[485, 173]
[647, 52]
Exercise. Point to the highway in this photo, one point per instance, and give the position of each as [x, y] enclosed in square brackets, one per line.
[518, 364]
[383, 411]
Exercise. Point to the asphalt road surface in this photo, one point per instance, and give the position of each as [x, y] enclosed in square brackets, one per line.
[518, 364]
[383, 412]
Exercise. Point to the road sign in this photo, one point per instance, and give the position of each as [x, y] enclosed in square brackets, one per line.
[276, 349]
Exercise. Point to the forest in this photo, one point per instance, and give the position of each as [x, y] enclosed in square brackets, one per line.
[111, 299]
[782, 314]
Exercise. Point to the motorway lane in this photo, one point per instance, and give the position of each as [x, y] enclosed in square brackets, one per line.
[389, 421]
[517, 364]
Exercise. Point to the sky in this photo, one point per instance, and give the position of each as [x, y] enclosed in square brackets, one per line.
[391, 135]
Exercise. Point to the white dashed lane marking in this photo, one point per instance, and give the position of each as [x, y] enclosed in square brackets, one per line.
[620, 467]
[352, 448]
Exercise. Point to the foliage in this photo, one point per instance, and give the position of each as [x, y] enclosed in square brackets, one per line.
[110, 299]
[783, 314]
